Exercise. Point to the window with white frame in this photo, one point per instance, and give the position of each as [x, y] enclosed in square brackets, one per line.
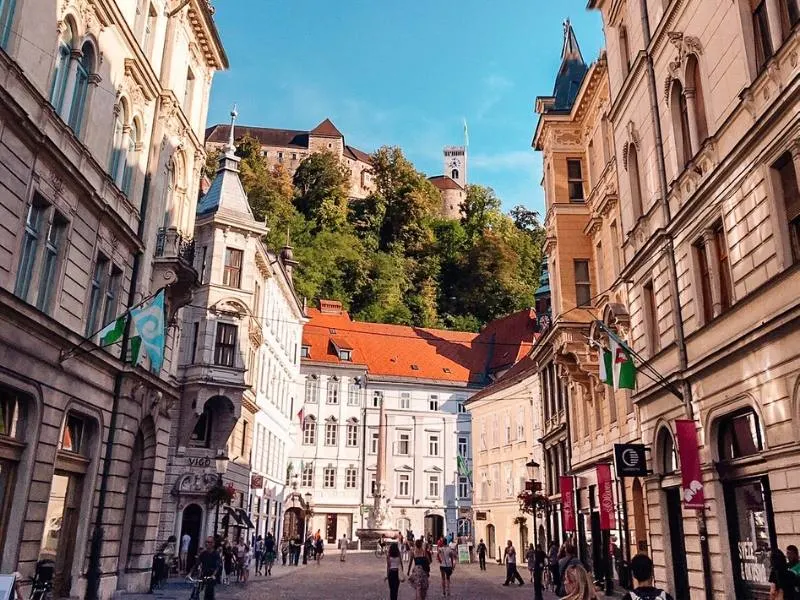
[463, 487]
[373, 485]
[331, 431]
[373, 442]
[484, 445]
[433, 402]
[509, 479]
[329, 477]
[405, 400]
[350, 478]
[521, 423]
[309, 431]
[433, 486]
[403, 443]
[352, 394]
[352, 434]
[307, 476]
[495, 431]
[333, 390]
[433, 444]
[463, 445]
[225, 345]
[404, 485]
[507, 428]
[462, 408]
[377, 398]
[312, 389]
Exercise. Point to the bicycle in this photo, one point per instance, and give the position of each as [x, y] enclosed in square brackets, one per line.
[42, 584]
[198, 585]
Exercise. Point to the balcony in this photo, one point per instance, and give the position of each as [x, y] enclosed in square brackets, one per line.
[173, 268]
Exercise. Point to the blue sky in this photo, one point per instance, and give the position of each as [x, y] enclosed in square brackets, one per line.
[406, 74]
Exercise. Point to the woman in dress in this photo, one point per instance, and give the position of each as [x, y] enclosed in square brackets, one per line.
[421, 565]
[578, 584]
[394, 568]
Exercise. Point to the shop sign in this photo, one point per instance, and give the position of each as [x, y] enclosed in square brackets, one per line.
[630, 460]
[199, 461]
[480, 515]
[751, 568]
[691, 474]
[605, 492]
[256, 482]
[464, 512]
[567, 503]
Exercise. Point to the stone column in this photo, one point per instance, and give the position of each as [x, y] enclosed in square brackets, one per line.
[380, 475]
[712, 260]
[774, 19]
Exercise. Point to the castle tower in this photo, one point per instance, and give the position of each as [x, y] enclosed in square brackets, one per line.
[455, 164]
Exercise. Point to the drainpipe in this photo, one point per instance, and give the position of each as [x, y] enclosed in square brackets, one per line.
[669, 249]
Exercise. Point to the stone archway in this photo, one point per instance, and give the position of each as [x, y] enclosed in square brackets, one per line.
[294, 524]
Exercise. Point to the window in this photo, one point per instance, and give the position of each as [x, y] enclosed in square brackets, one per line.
[583, 287]
[307, 476]
[72, 434]
[329, 477]
[203, 264]
[352, 435]
[346, 355]
[461, 407]
[433, 486]
[624, 50]
[635, 184]
[433, 445]
[433, 402]
[373, 442]
[110, 310]
[405, 400]
[309, 431]
[404, 485]
[725, 285]
[48, 278]
[790, 16]
[98, 289]
[739, 435]
[680, 125]
[333, 390]
[507, 428]
[312, 389]
[352, 394]
[6, 19]
[521, 424]
[706, 308]
[131, 156]
[403, 443]
[575, 180]
[373, 485]
[694, 92]
[784, 177]
[117, 150]
[462, 446]
[201, 434]
[305, 352]
[34, 223]
[761, 33]
[615, 248]
[454, 174]
[81, 90]
[195, 339]
[650, 316]
[232, 275]
[331, 433]
[188, 93]
[243, 445]
[61, 74]
[148, 30]
[225, 347]
[600, 263]
[377, 399]
[350, 478]
[463, 487]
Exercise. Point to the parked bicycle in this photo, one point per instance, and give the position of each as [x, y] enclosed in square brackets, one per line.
[42, 584]
[200, 585]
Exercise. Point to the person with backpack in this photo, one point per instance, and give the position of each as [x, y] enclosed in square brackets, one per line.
[643, 588]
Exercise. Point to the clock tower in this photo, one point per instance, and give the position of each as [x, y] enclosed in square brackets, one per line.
[455, 164]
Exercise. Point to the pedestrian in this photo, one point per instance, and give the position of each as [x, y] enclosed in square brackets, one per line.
[643, 589]
[394, 570]
[183, 555]
[792, 559]
[210, 566]
[284, 552]
[258, 553]
[530, 558]
[782, 581]
[228, 559]
[244, 569]
[482, 555]
[319, 548]
[269, 553]
[420, 578]
[343, 547]
[447, 564]
[510, 558]
[552, 562]
[568, 560]
[578, 584]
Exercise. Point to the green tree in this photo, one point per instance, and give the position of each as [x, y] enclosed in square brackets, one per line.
[481, 208]
[322, 184]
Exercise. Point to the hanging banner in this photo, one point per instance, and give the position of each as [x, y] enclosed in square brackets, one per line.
[605, 493]
[691, 474]
[567, 503]
[630, 460]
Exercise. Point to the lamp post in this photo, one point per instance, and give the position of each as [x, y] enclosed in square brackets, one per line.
[307, 514]
[533, 469]
[221, 462]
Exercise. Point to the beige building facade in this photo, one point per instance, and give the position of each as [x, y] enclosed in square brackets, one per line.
[101, 120]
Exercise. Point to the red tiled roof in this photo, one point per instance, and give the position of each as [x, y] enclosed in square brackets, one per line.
[443, 182]
[521, 371]
[417, 352]
[326, 129]
[359, 155]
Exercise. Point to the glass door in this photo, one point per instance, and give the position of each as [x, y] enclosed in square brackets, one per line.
[60, 527]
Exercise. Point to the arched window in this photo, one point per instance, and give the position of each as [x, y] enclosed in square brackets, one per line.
[117, 151]
[61, 73]
[695, 103]
[6, 18]
[309, 431]
[680, 125]
[454, 174]
[201, 434]
[131, 156]
[85, 68]
[635, 182]
[739, 435]
[666, 452]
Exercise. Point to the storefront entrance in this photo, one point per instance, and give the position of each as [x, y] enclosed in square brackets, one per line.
[191, 524]
[330, 528]
[680, 572]
[60, 527]
[491, 542]
[434, 526]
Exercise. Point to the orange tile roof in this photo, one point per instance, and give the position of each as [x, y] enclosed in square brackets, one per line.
[326, 129]
[443, 182]
[416, 352]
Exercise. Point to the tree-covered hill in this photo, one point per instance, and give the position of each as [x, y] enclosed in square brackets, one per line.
[390, 257]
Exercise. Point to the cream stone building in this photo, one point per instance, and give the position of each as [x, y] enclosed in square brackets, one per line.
[101, 120]
[706, 125]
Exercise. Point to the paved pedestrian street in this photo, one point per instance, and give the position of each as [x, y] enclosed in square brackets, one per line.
[361, 578]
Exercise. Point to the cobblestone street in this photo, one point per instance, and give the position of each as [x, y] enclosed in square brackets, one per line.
[361, 578]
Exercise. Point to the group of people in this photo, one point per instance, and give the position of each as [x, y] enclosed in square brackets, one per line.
[313, 548]
[421, 553]
[784, 577]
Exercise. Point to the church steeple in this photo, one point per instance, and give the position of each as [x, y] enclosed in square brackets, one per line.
[570, 74]
[570, 50]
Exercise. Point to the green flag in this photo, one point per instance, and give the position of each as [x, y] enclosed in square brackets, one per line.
[112, 333]
[623, 369]
[606, 371]
[463, 470]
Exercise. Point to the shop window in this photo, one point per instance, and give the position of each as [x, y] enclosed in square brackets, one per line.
[13, 409]
[739, 435]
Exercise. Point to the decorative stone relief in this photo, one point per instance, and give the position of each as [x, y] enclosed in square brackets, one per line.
[87, 12]
[685, 45]
[194, 484]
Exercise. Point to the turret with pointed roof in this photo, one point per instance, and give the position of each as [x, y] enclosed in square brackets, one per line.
[570, 74]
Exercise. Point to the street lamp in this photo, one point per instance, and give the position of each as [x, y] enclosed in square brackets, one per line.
[221, 462]
[533, 470]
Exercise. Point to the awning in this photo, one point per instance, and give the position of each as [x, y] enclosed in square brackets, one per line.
[233, 513]
[245, 519]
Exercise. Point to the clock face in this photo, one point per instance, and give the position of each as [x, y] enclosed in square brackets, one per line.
[455, 163]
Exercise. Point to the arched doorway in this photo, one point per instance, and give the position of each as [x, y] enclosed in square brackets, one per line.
[293, 524]
[490, 540]
[191, 523]
[434, 526]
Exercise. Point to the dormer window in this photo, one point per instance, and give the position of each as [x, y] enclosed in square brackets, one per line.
[305, 352]
[342, 349]
[346, 355]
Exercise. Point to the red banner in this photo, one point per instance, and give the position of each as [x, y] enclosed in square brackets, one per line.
[605, 492]
[567, 503]
[691, 473]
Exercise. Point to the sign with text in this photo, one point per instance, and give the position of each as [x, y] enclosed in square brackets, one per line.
[480, 515]
[691, 473]
[463, 554]
[256, 482]
[630, 460]
[605, 492]
[567, 503]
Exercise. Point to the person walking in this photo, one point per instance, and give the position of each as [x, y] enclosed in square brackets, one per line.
[447, 564]
[552, 563]
[530, 558]
[578, 584]
[793, 559]
[481, 549]
[642, 573]
[284, 552]
[539, 565]
[183, 555]
[244, 569]
[319, 548]
[258, 553]
[510, 558]
[210, 566]
[394, 570]
[420, 578]
[269, 554]
[343, 547]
